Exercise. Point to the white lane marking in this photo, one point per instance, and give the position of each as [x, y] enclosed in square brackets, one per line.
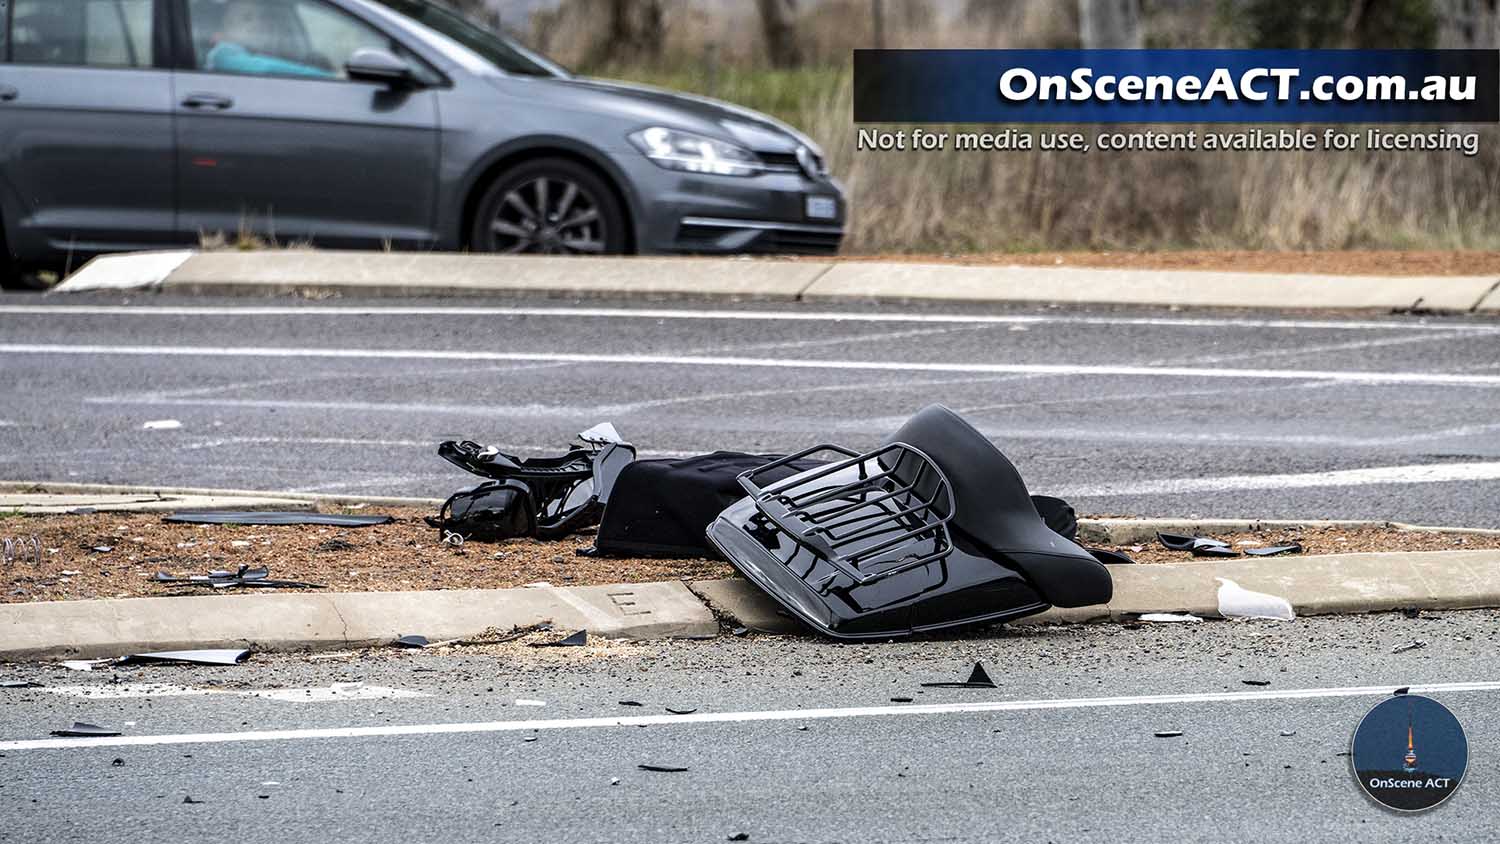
[1344, 376]
[323, 694]
[732, 314]
[742, 717]
[337, 691]
[1422, 473]
[355, 441]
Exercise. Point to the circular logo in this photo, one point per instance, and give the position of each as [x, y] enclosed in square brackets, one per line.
[1409, 753]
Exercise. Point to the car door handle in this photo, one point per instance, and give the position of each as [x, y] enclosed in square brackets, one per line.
[208, 102]
[8, 93]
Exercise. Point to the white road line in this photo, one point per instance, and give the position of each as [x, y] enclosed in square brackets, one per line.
[737, 717]
[1342, 376]
[1425, 473]
[731, 314]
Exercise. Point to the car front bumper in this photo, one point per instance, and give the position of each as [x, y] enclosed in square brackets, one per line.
[678, 212]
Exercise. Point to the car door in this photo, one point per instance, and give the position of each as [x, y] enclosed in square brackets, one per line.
[273, 137]
[86, 160]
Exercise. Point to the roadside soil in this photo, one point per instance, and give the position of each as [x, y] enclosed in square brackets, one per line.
[1354, 262]
[407, 555]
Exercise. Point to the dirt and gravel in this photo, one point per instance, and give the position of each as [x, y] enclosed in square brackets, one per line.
[117, 555]
[1352, 262]
[403, 556]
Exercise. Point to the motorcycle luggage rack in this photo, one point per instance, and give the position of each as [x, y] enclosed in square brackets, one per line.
[899, 490]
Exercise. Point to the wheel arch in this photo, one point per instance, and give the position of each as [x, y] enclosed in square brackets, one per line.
[502, 158]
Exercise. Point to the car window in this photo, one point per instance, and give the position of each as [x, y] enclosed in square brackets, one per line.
[95, 33]
[504, 54]
[301, 38]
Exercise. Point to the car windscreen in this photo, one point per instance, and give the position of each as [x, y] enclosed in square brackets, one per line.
[509, 57]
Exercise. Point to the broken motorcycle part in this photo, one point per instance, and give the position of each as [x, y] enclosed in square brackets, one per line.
[1273, 550]
[21, 549]
[666, 769]
[272, 518]
[245, 576]
[490, 512]
[81, 729]
[216, 656]
[573, 640]
[978, 679]
[933, 529]
[1180, 542]
[1222, 551]
[568, 493]
[1110, 558]
[411, 641]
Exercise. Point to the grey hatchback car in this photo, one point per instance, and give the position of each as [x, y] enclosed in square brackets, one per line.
[140, 124]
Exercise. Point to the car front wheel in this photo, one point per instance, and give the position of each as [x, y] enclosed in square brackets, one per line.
[551, 207]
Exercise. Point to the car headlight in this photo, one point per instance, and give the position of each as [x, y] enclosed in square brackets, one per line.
[678, 150]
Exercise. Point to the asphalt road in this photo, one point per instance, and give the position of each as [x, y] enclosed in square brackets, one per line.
[1142, 412]
[763, 754]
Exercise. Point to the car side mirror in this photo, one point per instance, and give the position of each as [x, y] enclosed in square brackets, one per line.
[368, 64]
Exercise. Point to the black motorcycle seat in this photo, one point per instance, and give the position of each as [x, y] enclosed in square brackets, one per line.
[993, 508]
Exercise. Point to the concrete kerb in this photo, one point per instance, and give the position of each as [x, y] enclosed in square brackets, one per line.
[452, 274]
[308, 499]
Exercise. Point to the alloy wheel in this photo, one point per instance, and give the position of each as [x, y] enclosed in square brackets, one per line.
[551, 216]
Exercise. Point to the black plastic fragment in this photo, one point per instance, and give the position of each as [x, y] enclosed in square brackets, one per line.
[82, 729]
[188, 800]
[117, 763]
[1401, 691]
[213, 656]
[572, 641]
[665, 769]
[411, 641]
[1256, 682]
[1222, 551]
[258, 577]
[631, 703]
[681, 711]
[900, 700]
[272, 517]
[978, 679]
[1110, 558]
[1181, 542]
[739, 836]
[1273, 550]
[1168, 733]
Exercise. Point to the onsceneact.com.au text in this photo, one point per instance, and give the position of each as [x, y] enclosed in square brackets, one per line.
[1258, 84]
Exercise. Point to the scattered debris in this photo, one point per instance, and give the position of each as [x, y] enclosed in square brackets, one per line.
[1273, 550]
[20, 684]
[1401, 691]
[1170, 618]
[900, 700]
[245, 576]
[1414, 644]
[81, 729]
[741, 631]
[272, 517]
[631, 703]
[665, 769]
[1256, 682]
[190, 801]
[740, 836]
[529, 738]
[1168, 733]
[978, 679]
[162, 425]
[1219, 551]
[1288, 733]
[521, 701]
[614, 780]
[1237, 602]
[217, 656]
[334, 545]
[573, 640]
[411, 641]
[15, 549]
[102, 549]
[1180, 542]
[681, 711]
[82, 664]
[117, 763]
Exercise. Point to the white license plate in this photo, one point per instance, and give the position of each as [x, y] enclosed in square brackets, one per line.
[822, 208]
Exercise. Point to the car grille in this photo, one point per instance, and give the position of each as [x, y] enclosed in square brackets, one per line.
[782, 161]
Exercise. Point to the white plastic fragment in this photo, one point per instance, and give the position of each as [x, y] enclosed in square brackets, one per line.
[602, 434]
[162, 425]
[1236, 601]
[1169, 617]
[521, 701]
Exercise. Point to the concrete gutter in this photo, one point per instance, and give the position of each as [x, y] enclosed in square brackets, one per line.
[1317, 585]
[324, 273]
[308, 621]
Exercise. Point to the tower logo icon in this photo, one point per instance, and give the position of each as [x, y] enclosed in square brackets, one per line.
[1385, 753]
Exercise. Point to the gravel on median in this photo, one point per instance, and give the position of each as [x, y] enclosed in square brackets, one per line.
[408, 555]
